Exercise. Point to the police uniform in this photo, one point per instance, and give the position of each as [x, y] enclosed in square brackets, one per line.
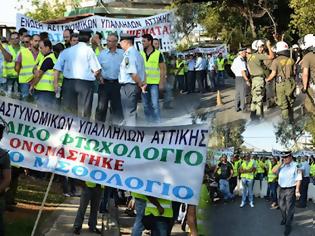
[254, 63]
[132, 63]
[78, 64]
[309, 63]
[285, 85]
[288, 175]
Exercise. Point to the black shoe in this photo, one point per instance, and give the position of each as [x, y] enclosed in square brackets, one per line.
[283, 222]
[10, 208]
[300, 206]
[76, 231]
[287, 230]
[95, 230]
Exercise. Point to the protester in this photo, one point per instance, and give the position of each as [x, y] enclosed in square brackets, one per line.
[5, 177]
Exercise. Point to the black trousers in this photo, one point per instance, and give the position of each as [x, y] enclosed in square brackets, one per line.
[232, 184]
[78, 96]
[199, 78]
[287, 204]
[304, 188]
[191, 77]
[109, 92]
[240, 93]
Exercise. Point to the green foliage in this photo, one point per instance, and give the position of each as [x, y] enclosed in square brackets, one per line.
[289, 134]
[303, 20]
[310, 127]
[47, 10]
[228, 135]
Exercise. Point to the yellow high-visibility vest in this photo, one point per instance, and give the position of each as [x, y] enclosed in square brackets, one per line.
[260, 167]
[202, 210]
[312, 170]
[91, 184]
[46, 83]
[246, 166]
[9, 71]
[235, 167]
[138, 195]
[152, 68]
[271, 176]
[179, 65]
[151, 209]
[220, 63]
[28, 63]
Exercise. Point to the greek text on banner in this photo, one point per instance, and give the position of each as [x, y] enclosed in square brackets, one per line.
[165, 162]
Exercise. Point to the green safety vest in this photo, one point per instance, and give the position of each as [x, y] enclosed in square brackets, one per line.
[260, 167]
[202, 210]
[152, 68]
[91, 184]
[230, 59]
[178, 65]
[9, 71]
[247, 166]
[271, 176]
[46, 83]
[151, 209]
[28, 63]
[138, 195]
[220, 64]
[185, 66]
[97, 51]
[235, 167]
[312, 170]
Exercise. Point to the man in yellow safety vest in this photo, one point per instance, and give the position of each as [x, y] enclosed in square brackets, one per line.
[27, 59]
[155, 79]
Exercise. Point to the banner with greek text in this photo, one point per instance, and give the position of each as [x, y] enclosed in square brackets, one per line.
[213, 50]
[216, 154]
[165, 162]
[159, 26]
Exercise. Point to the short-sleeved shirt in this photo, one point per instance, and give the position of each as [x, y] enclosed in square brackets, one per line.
[4, 163]
[211, 63]
[78, 62]
[199, 64]
[110, 63]
[288, 175]
[48, 64]
[238, 66]
[191, 65]
[283, 66]
[308, 62]
[254, 64]
[132, 63]
[225, 170]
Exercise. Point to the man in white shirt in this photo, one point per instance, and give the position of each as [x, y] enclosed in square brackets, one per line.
[199, 72]
[211, 71]
[239, 68]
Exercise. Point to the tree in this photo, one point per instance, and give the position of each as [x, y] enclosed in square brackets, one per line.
[303, 21]
[310, 127]
[45, 10]
[287, 134]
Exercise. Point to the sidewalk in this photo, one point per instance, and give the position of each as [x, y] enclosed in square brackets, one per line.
[60, 223]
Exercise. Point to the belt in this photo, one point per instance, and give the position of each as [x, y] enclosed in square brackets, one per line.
[288, 187]
[127, 84]
[111, 80]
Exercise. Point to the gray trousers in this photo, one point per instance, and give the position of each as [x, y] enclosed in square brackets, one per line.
[128, 94]
[240, 93]
[287, 204]
[92, 196]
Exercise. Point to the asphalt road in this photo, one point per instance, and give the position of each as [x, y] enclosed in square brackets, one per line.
[231, 220]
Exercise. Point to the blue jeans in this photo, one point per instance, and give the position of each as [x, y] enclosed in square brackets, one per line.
[151, 104]
[225, 189]
[273, 191]
[138, 226]
[247, 188]
[160, 228]
[220, 78]
[24, 88]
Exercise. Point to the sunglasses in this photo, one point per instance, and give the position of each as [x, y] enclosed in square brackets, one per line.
[26, 41]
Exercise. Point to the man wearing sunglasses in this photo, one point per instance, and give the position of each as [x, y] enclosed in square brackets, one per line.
[289, 180]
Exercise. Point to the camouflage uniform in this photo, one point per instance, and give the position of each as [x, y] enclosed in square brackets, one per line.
[254, 63]
[309, 62]
[285, 85]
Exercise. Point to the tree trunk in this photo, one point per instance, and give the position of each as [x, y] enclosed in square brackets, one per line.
[252, 25]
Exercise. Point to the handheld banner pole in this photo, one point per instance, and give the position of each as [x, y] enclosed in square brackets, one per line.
[43, 203]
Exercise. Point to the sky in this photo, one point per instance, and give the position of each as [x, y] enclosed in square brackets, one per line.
[8, 11]
[262, 136]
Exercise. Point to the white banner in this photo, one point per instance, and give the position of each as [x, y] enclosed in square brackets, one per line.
[216, 154]
[165, 162]
[159, 26]
[215, 50]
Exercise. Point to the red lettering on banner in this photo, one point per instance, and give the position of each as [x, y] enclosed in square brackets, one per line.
[83, 156]
[27, 145]
[106, 163]
[39, 148]
[166, 30]
[94, 160]
[158, 29]
[15, 143]
[61, 153]
[72, 155]
[119, 165]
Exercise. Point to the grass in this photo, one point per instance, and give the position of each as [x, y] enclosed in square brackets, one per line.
[31, 192]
